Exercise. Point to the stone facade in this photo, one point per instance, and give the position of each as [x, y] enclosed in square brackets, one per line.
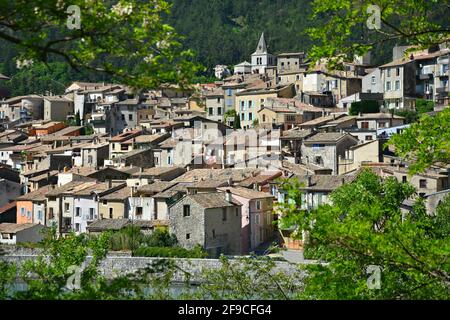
[207, 227]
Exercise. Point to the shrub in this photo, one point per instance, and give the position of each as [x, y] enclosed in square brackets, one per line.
[424, 106]
[170, 252]
[161, 238]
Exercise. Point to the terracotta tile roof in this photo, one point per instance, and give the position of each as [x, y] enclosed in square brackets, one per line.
[14, 228]
[247, 193]
[212, 200]
[326, 137]
[37, 195]
[8, 207]
[217, 174]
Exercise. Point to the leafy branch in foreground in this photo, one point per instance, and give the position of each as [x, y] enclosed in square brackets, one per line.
[366, 227]
[422, 23]
[426, 142]
[109, 34]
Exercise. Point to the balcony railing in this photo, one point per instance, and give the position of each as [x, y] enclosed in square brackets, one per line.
[442, 90]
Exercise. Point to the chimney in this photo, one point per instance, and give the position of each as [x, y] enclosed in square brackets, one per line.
[228, 196]
[309, 181]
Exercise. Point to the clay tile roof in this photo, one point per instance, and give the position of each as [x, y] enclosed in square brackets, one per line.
[212, 200]
[247, 193]
[326, 137]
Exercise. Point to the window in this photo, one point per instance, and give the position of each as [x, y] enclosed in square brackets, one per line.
[382, 124]
[237, 212]
[250, 103]
[388, 86]
[369, 138]
[257, 218]
[77, 211]
[397, 85]
[397, 72]
[388, 72]
[404, 179]
[374, 80]
[229, 92]
[22, 212]
[188, 236]
[263, 118]
[77, 227]
[218, 100]
[169, 160]
[258, 204]
[90, 160]
[242, 116]
[423, 183]
[50, 213]
[139, 211]
[214, 233]
[123, 117]
[39, 214]
[29, 214]
[250, 116]
[219, 111]
[224, 214]
[210, 111]
[186, 210]
[130, 117]
[111, 211]
[365, 125]
[91, 213]
[66, 207]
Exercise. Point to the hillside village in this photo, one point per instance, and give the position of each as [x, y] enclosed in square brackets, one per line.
[206, 162]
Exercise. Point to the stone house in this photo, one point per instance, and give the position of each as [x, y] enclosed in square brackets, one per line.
[57, 108]
[324, 149]
[399, 84]
[257, 216]
[122, 143]
[115, 205]
[31, 207]
[94, 154]
[250, 101]
[11, 233]
[86, 203]
[212, 221]
[215, 105]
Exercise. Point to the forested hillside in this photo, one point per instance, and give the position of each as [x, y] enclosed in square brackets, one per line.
[219, 31]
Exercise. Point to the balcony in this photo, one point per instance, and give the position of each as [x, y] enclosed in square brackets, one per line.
[442, 90]
[97, 122]
[425, 76]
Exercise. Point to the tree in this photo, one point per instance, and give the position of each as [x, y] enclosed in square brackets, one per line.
[369, 106]
[364, 230]
[424, 106]
[426, 142]
[47, 276]
[100, 36]
[233, 114]
[352, 28]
